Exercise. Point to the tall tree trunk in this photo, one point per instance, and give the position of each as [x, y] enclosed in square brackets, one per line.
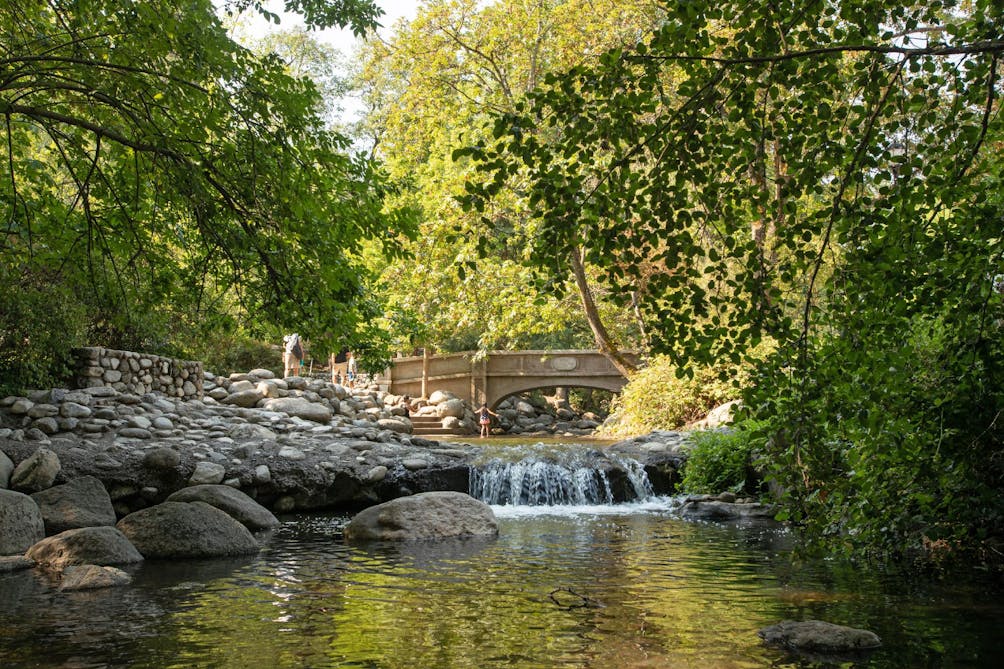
[600, 334]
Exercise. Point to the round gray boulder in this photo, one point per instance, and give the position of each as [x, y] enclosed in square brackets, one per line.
[21, 523]
[235, 503]
[87, 545]
[300, 407]
[82, 502]
[186, 530]
[430, 515]
[36, 472]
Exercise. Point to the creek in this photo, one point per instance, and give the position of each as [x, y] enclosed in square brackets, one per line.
[573, 580]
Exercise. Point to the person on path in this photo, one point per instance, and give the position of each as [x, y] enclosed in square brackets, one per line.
[292, 355]
[485, 418]
[351, 370]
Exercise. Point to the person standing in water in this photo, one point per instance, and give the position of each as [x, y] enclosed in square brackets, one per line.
[485, 418]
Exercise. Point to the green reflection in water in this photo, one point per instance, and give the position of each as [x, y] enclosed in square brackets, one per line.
[634, 590]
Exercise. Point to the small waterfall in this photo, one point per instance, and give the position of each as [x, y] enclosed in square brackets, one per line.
[546, 476]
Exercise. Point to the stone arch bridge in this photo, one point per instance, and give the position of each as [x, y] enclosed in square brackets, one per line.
[498, 374]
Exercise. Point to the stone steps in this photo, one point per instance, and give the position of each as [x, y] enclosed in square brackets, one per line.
[429, 426]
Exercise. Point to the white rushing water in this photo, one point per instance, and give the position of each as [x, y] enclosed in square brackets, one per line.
[539, 476]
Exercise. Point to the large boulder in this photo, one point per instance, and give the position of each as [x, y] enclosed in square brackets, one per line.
[431, 515]
[87, 545]
[235, 503]
[450, 408]
[36, 472]
[186, 530]
[300, 407]
[21, 523]
[6, 469]
[82, 502]
[819, 638]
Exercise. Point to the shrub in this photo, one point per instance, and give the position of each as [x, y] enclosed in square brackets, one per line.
[656, 398]
[40, 321]
[720, 461]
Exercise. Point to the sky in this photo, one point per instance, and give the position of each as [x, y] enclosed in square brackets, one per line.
[255, 26]
[343, 40]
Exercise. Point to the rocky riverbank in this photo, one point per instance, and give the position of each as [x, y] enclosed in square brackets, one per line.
[290, 444]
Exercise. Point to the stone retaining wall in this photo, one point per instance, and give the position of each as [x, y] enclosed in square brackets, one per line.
[137, 373]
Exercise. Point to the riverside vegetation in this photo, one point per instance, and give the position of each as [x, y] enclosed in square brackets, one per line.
[701, 181]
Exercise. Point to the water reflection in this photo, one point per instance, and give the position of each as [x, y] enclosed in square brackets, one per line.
[618, 586]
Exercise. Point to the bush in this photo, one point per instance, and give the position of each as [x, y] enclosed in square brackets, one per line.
[40, 322]
[656, 398]
[720, 461]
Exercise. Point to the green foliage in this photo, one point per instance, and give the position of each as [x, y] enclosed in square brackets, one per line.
[432, 88]
[170, 179]
[720, 460]
[890, 439]
[40, 322]
[223, 354]
[828, 180]
[659, 397]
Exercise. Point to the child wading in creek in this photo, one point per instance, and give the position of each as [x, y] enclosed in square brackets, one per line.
[485, 418]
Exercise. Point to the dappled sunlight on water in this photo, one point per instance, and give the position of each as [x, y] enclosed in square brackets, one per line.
[598, 586]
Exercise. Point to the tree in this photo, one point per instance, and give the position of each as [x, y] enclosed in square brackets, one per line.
[469, 285]
[173, 179]
[816, 173]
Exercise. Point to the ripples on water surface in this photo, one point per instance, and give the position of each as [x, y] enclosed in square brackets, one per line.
[609, 586]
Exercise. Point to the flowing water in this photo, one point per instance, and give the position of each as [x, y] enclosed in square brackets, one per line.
[564, 585]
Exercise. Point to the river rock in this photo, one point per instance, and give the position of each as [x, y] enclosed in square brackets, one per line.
[6, 469]
[235, 503]
[87, 545]
[21, 524]
[452, 407]
[82, 502]
[92, 576]
[431, 515]
[36, 472]
[207, 473]
[11, 563]
[716, 509]
[243, 398]
[187, 530]
[819, 637]
[162, 459]
[300, 407]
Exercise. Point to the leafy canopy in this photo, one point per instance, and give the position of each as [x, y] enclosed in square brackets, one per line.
[822, 174]
[176, 181]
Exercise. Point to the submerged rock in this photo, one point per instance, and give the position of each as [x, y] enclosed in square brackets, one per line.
[819, 637]
[432, 515]
[710, 508]
[92, 576]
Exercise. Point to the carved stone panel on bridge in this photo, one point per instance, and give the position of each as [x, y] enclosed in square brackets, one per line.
[564, 363]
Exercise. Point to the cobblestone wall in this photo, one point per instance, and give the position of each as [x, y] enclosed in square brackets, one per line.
[137, 373]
